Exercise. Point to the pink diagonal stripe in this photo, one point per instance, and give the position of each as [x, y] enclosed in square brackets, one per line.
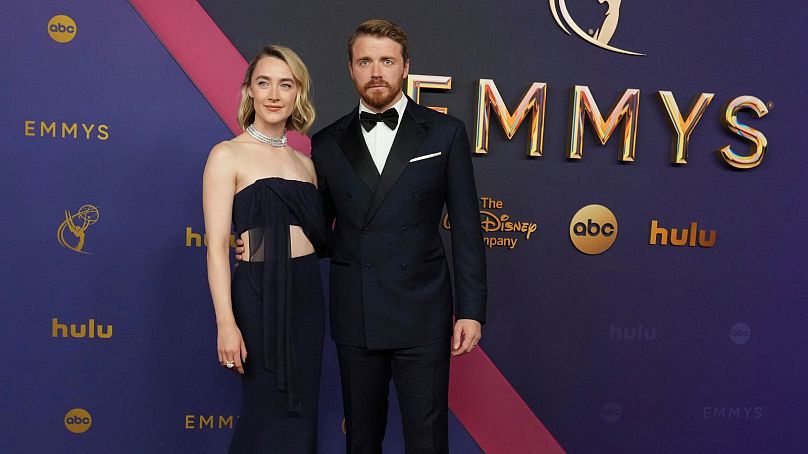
[479, 395]
[205, 54]
[492, 411]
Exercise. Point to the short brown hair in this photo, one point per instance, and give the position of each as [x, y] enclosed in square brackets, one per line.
[380, 28]
[303, 114]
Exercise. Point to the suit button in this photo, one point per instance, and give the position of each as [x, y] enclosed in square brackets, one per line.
[350, 194]
[365, 267]
[404, 230]
[415, 193]
[404, 266]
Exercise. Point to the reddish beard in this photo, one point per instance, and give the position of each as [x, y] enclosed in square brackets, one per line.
[379, 100]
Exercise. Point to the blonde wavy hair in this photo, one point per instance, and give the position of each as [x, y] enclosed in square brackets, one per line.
[303, 114]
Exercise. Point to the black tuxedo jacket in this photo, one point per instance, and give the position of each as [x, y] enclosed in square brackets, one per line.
[389, 278]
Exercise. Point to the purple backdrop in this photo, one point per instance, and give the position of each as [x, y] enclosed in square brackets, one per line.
[643, 348]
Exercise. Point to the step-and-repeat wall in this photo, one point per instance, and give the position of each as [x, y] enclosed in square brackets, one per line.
[641, 176]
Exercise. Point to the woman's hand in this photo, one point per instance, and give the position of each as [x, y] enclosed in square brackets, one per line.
[231, 347]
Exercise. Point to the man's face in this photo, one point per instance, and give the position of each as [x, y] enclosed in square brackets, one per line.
[378, 71]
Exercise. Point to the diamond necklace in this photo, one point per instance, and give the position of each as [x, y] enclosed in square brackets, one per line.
[276, 142]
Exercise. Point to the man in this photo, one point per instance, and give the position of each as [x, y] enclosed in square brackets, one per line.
[385, 172]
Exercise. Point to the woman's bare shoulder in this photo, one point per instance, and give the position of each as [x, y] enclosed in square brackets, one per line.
[228, 149]
[300, 155]
[307, 163]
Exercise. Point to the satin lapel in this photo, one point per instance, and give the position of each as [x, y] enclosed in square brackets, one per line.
[355, 149]
[408, 139]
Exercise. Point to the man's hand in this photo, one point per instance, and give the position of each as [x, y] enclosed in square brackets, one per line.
[467, 334]
[239, 249]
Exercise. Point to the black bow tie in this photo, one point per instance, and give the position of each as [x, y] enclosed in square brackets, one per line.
[369, 120]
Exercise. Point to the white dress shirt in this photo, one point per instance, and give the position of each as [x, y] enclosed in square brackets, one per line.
[380, 139]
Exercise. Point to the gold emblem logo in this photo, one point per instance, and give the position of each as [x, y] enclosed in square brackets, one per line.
[77, 224]
[593, 229]
[599, 37]
[62, 29]
[78, 420]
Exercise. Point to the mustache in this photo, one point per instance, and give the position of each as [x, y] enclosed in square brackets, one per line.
[377, 83]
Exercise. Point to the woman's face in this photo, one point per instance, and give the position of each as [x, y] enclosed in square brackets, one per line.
[273, 90]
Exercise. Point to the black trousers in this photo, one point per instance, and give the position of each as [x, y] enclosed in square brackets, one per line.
[421, 377]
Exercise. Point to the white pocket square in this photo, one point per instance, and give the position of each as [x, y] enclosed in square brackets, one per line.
[426, 156]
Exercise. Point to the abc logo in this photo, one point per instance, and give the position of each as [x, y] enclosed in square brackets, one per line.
[740, 333]
[62, 29]
[593, 229]
[611, 412]
[78, 420]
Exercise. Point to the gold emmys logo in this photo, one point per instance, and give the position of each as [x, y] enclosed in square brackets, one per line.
[599, 37]
[209, 422]
[62, 29]
[494, 225]
[77, 224]
[593, 229]
[65, 130]
[78, 420]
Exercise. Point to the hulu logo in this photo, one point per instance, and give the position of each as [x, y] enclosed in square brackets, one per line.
[691, 236]
[193, 239]
[89, 330]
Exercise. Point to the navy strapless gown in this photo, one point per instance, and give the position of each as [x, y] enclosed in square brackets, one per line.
[278, 306]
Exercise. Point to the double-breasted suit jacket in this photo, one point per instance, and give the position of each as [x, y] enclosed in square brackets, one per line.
[389, 278]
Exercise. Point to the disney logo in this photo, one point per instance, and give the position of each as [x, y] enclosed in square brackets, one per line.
[491, 222]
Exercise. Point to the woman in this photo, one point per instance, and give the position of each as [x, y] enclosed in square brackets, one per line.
[273, 311]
